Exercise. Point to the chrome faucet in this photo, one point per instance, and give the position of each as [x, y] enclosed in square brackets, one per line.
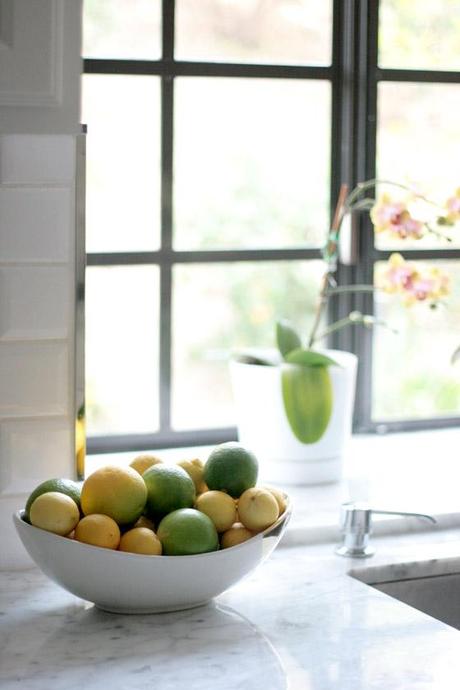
[356, 526]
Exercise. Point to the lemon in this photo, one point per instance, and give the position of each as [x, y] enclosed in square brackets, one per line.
[143, 462]
[237, 534]
[98, 530]
[187, 531]
[169, 488]
[144, 521]
[63, 486]
[219, 507]
[141, 540]
[279, 497]
[232, 468]
[118, 492]
[257, 509]
[54, 512]
[195, 469]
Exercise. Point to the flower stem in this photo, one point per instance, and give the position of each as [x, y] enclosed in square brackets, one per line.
[351, 288]
[323, 297]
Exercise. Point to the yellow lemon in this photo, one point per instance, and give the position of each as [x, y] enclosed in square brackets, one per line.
[98, 530]
[54, 512]
[141, 540]
[118, 492]
[144, 521]
[257, 509]
[237, 534]
[279, 497]
[219, 507]
[195, 469]
[63, 486]
[143, 462]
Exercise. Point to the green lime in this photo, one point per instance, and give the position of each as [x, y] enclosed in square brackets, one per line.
[63, 486]
[186, 532]
[231, 468]
[169, 488]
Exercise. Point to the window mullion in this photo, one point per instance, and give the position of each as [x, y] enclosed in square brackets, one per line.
[166, 286]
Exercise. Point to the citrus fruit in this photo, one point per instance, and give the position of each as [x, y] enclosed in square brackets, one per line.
[144, 521]
[63, 486]
[257, 509]
[237, 534]
[98, 530]
[279, 497]
[143, 462]
[194, 469]
[231, 468]
[187, 531]
[118, 492]
[55, 512]
[219, 507]
[168, 488]
[141, 540]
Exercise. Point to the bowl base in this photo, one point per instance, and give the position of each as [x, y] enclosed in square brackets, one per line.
[149, 609]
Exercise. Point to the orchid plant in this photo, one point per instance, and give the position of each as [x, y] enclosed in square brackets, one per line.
[307, 388]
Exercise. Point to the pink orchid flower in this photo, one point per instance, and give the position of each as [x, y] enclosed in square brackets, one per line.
[394, 217]
[414, 283]
[453, 208]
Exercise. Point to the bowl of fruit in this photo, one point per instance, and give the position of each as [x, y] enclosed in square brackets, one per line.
[154, 537]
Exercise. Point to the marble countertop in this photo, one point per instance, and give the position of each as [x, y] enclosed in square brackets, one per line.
[298, 622]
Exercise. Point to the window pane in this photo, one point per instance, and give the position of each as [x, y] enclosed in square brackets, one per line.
[418, 144]
[423, 382]
[218, 308]
[420, 35]
[273, 31]
[122, 29]
[251, 163]
[123, 162]
[122, 349]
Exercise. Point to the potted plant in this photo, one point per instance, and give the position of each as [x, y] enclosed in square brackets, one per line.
[294, 404]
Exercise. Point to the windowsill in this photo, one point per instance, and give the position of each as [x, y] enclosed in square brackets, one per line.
[415, 472]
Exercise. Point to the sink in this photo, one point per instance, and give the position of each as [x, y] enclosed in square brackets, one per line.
[430, 586]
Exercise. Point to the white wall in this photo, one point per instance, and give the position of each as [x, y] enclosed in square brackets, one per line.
[39, 144]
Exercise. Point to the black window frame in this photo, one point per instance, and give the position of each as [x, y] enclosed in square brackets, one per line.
[354, 75]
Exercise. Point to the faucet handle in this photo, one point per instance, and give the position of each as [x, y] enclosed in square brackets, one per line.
[356, 527]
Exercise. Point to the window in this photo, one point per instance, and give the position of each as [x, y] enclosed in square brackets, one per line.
[218, 135]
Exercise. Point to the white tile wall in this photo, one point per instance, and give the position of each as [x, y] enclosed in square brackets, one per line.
[34, 302]
[29, 449]
[34, 379]
[37, 315]
[35, 224]
[31, 159]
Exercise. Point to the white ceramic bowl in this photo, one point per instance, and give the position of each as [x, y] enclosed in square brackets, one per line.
[131, 583]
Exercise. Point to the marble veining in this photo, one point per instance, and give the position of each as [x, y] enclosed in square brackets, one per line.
[299, 622]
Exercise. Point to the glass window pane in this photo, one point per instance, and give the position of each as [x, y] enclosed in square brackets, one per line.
[122, 349]
[217, 308]
[418, 145]
[423, 382]
[251, 163]
[123, 162]
[420, 35]
[122, 29]
[273, 31]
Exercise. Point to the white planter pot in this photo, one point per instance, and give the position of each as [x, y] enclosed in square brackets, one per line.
[264, 428]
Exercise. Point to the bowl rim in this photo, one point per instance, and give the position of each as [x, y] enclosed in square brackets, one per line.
[285, 516]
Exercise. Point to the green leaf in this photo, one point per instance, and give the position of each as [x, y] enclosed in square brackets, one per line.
[309, 358]
[287, 337]
[307, 395]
